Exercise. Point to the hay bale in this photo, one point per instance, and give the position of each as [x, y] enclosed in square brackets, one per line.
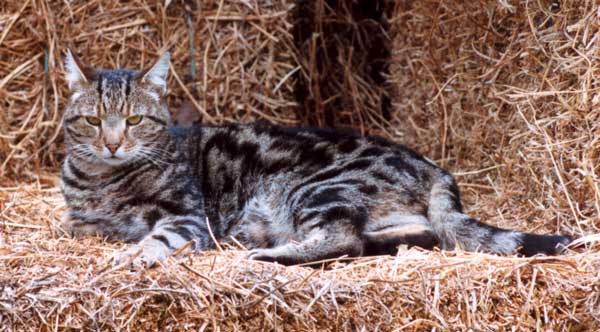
[54, 283]
[505, 94]
[241, 59]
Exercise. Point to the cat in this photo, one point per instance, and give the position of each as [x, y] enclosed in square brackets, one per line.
[290, 195]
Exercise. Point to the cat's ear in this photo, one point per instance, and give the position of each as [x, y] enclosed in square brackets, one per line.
[77, 73]
[157, 74]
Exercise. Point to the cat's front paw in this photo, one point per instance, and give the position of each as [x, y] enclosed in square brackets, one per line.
[265, 255]
[76, 228]
[142, 255]
[64, 228]
[282, 255]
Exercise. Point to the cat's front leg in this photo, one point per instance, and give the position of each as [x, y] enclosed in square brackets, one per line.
[167, 236]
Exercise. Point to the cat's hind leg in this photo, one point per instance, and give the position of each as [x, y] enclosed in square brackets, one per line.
[384, 234]
[325, 234]
[319, 245]
[325, 217]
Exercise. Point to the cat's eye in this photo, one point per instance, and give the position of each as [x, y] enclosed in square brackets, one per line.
[94, 121]
[134, 119]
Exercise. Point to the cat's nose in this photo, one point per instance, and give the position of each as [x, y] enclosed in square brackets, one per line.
[112, 147]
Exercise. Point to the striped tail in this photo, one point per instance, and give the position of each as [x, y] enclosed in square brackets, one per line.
[456, 229]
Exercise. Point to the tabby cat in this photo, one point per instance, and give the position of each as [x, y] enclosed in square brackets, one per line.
[290, 195]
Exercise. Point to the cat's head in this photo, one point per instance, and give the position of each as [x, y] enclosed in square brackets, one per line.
[116, 116]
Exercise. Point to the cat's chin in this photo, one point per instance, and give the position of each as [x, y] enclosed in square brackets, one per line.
[115, 161]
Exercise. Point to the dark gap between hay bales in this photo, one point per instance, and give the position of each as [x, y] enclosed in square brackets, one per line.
[344, 50]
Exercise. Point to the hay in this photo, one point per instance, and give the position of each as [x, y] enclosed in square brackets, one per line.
[502, 93]
[53, 283]
[343, 51]
[505, 94]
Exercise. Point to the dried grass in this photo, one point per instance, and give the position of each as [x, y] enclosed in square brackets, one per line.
[54, 283]
[503, 93]
[343, 50]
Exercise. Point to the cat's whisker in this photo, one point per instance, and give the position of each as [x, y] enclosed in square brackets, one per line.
[154, 161]
[160, 153]
[147, 155]
[157, 153]
[80, 152]
[150, 151]
[157, 149]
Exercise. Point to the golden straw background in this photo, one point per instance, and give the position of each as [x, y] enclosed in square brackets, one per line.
[505, 94]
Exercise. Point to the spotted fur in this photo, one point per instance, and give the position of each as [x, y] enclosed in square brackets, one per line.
[290, 195]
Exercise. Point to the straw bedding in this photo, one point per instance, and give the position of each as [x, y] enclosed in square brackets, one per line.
[53, 283]
[502, 93]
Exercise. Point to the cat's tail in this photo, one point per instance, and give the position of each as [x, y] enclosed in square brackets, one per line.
[456, 229]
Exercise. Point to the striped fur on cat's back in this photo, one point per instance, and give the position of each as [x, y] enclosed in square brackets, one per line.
[291, 195]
